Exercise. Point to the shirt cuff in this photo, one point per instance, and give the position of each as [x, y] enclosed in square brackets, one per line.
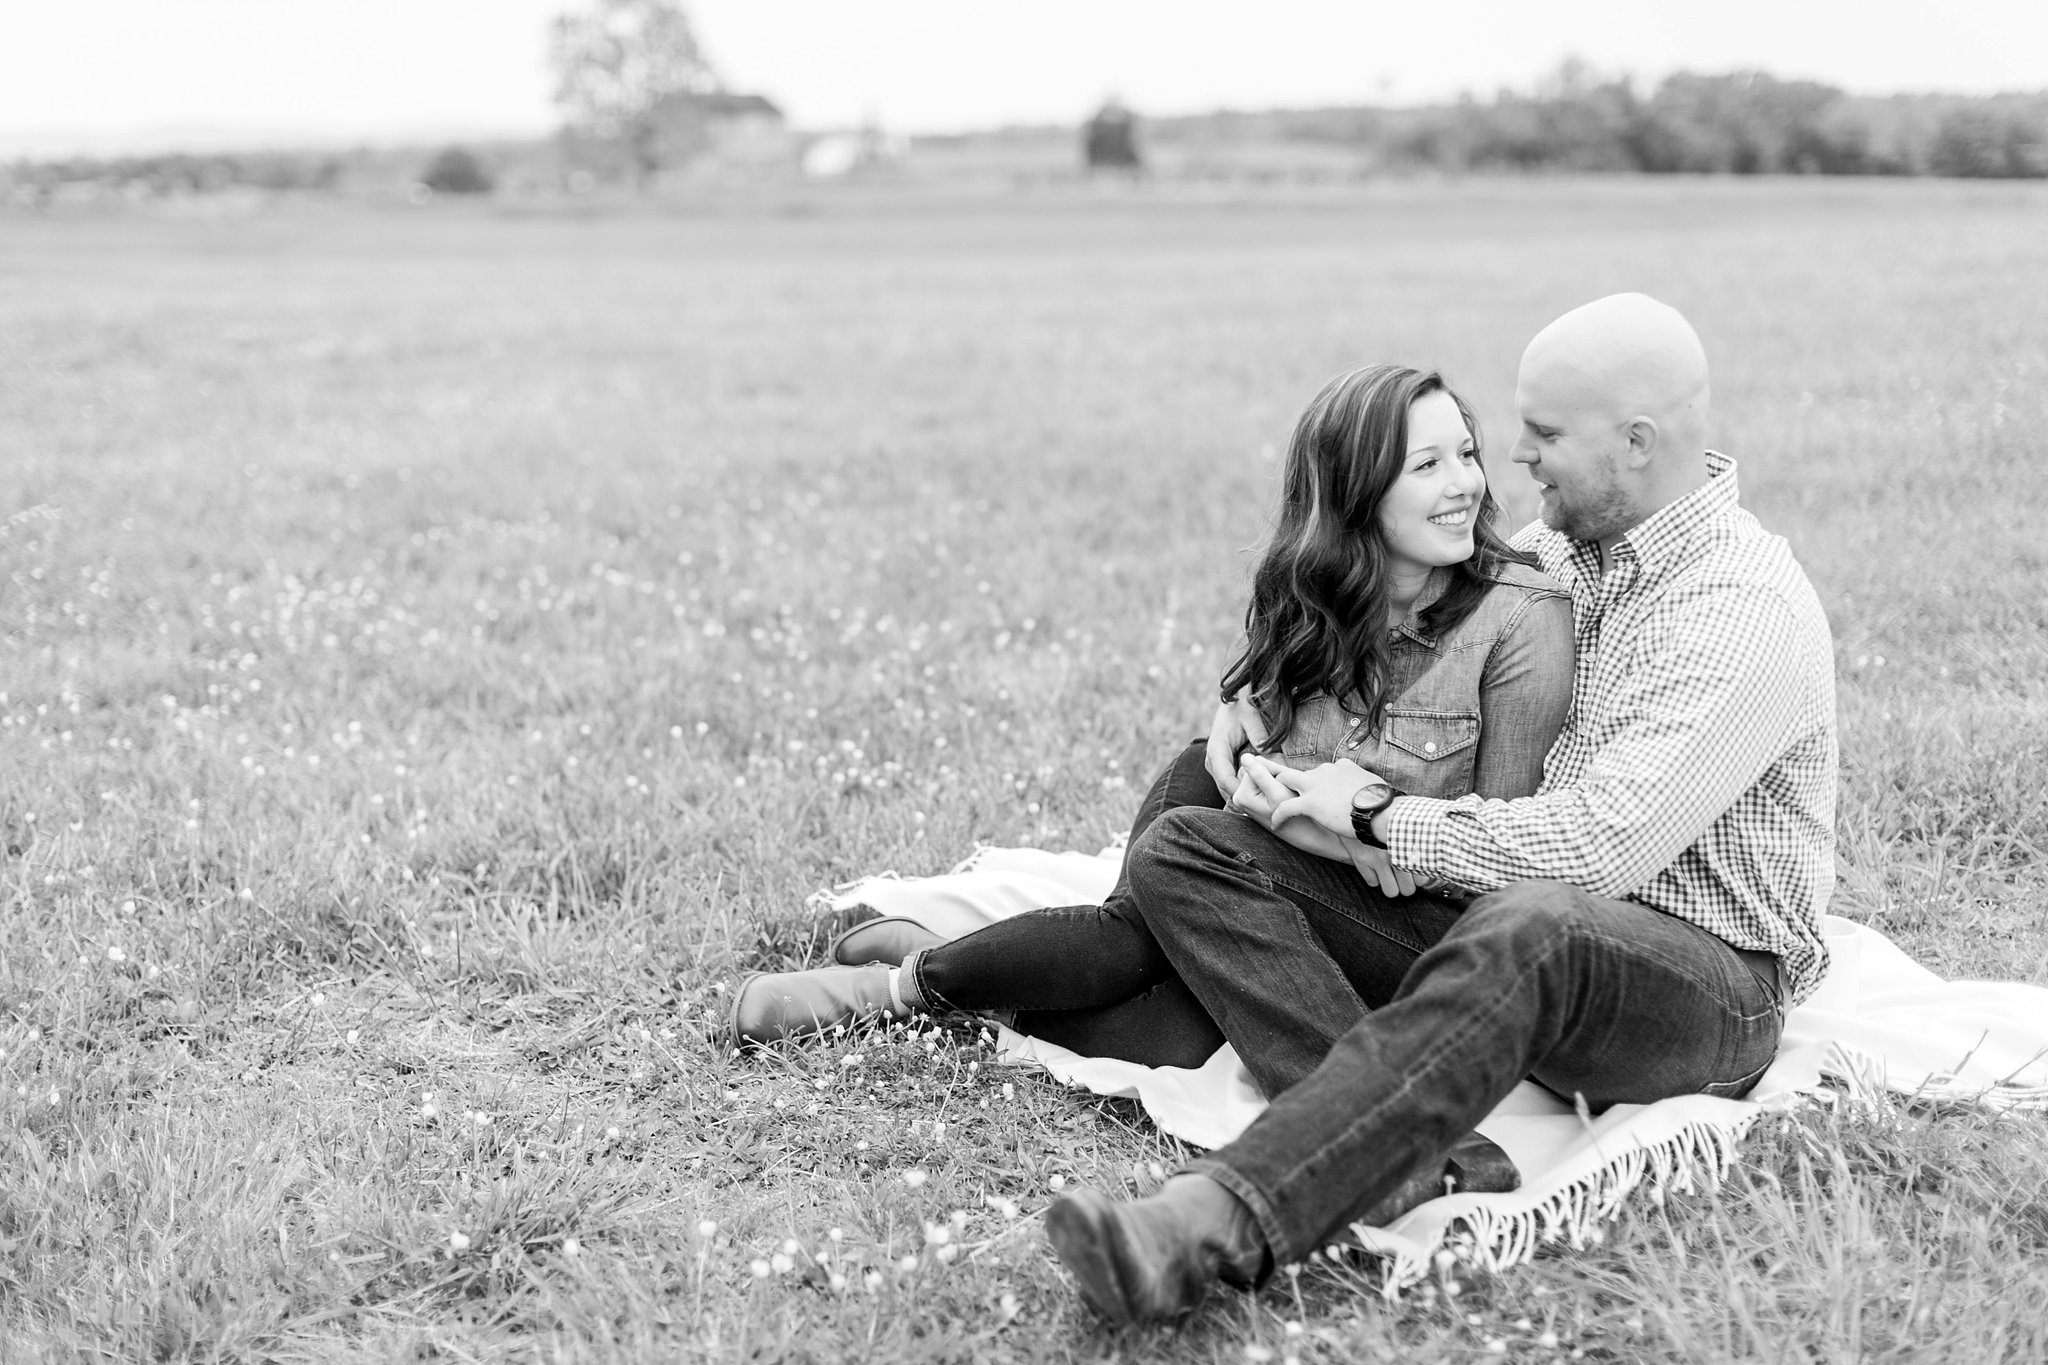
[1415, 826]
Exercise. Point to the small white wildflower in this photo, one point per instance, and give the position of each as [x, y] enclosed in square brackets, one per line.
[707, 1228]
[782, 1263]
[1258, 1354]
[1008, 1304]
[480, 1119]
[907, 1264]
[838, 1283]
[915, 1177]
[1057, 1183]
[459, 1241]
[612, 1133]
[947, 1253]
[873, 1279]
[937, 1234]
[571, 1247]
[835, 1236]
[1548, 1341]
[353, 1034]
[759, 1267]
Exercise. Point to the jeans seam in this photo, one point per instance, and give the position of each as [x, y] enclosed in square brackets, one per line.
[1347, 913]
[1443, 1045]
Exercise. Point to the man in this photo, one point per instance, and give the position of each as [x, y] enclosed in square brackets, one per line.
[1646, 917]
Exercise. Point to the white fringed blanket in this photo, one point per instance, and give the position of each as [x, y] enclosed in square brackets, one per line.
[1878, 1020]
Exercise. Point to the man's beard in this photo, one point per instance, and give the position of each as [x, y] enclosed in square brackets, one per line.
[1591, 515]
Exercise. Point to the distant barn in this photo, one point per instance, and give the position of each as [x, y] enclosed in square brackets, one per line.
[718, 130]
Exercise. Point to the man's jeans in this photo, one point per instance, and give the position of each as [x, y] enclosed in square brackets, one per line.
[1384, 1028]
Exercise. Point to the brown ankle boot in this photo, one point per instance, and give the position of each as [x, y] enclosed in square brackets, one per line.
[1149, 1260]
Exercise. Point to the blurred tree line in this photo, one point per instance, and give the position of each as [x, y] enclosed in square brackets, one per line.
[1744, 123]
[656, 108]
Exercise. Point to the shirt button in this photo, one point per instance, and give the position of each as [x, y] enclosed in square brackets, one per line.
[1430, 747]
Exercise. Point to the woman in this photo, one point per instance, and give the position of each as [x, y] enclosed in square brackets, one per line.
[1389, 624]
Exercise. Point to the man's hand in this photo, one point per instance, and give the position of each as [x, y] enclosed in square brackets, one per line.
[1237, 725]
[1322, 794]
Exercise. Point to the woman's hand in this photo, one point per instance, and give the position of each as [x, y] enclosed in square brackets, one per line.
[1264, 791]
[1379, 871]
[1237, 725]
[1322, 794]
[1258, 792]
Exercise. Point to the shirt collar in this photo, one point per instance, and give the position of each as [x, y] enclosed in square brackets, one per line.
[1658, 541]
[1432, 591]
[1660, 538]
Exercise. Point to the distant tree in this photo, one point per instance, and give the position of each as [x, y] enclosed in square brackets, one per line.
[1109, 140]
[1990, 141]
[457, 170]
[624, 72]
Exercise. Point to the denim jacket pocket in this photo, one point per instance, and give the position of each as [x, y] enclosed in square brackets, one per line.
[1431, 736]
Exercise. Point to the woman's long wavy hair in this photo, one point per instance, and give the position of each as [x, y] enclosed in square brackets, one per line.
[1317, 622]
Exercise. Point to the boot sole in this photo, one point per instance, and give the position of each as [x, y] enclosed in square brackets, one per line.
[732, 1013]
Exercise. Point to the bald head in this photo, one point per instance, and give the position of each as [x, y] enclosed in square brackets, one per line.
[1626, 356]
[1614, 413]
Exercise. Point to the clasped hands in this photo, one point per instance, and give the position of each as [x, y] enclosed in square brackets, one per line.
[1311, 810]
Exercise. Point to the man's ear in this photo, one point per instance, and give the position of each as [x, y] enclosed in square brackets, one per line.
[1643, 438]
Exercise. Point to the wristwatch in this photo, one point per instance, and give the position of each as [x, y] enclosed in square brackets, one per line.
[1367, 802]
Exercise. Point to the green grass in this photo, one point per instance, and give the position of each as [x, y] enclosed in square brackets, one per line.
[439, 650]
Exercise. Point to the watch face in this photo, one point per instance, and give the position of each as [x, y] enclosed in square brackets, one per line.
[1372, 796]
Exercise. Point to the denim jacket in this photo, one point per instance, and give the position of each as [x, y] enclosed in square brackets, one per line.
[1474, 710]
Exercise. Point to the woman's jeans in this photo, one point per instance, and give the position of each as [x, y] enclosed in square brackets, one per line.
[1088, 977]
[1384, 1028]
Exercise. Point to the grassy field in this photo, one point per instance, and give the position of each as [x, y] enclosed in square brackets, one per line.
[438, 651]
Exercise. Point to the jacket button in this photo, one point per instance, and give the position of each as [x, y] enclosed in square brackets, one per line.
[1430, 747]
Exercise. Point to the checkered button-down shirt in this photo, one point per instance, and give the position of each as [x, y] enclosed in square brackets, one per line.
[1695, 773]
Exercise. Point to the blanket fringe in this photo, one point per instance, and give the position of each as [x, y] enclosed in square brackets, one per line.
[1698, 1156]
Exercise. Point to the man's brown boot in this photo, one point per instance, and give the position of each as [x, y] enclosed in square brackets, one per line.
[1148, 1260]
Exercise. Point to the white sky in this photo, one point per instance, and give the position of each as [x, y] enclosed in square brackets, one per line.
[106, 73]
